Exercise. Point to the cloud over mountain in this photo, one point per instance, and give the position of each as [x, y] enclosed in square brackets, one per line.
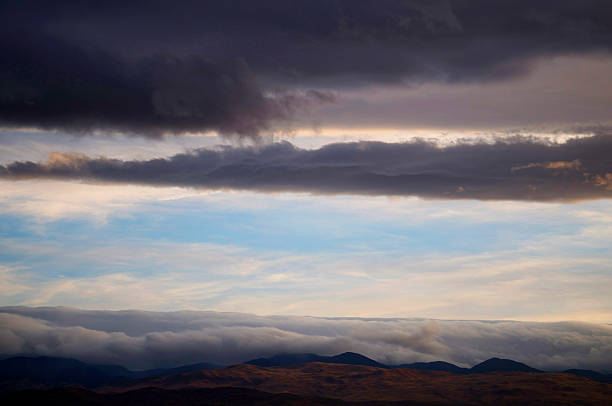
[508, 169]
[141, 339]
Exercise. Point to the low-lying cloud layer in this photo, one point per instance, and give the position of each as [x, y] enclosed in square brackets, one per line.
[140, 339]
[158, 66]
[511, 169]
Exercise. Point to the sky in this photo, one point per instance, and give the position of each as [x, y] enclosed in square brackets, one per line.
[439, 171]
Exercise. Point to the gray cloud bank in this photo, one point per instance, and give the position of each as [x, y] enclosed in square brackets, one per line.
[153, 66]
[141, 339]
[518, 168]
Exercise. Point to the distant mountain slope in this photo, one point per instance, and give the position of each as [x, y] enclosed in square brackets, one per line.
[283, 360]
[23, 372]
[587, 373]
[500, 364]
[42, 372]
[435, 366]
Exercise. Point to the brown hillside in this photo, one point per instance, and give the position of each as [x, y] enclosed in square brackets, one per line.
[359, 383]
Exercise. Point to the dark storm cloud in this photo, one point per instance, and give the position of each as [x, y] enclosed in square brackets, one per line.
[54, 85]
[457, 39]
[516, 168]
[142, 339]
[87, 65]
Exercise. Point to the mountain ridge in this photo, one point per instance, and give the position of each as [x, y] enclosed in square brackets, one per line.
[42, 372]
[45, 372]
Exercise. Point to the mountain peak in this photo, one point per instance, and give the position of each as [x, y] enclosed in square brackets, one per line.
[353, 358]
[501, 364]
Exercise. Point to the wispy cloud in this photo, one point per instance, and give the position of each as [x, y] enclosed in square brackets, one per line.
[542, 277]
[50, 201]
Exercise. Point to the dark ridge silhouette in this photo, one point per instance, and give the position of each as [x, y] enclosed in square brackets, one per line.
[501, 365]
[22, 372]
[587, 373]
[283, 360]
[41, 372]
[435, 366]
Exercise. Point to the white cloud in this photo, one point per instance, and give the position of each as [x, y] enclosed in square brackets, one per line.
[46, 201]
[558, 269]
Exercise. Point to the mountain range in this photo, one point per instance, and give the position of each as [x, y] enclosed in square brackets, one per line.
[47, 372]
[351, 358]
[298, 379]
